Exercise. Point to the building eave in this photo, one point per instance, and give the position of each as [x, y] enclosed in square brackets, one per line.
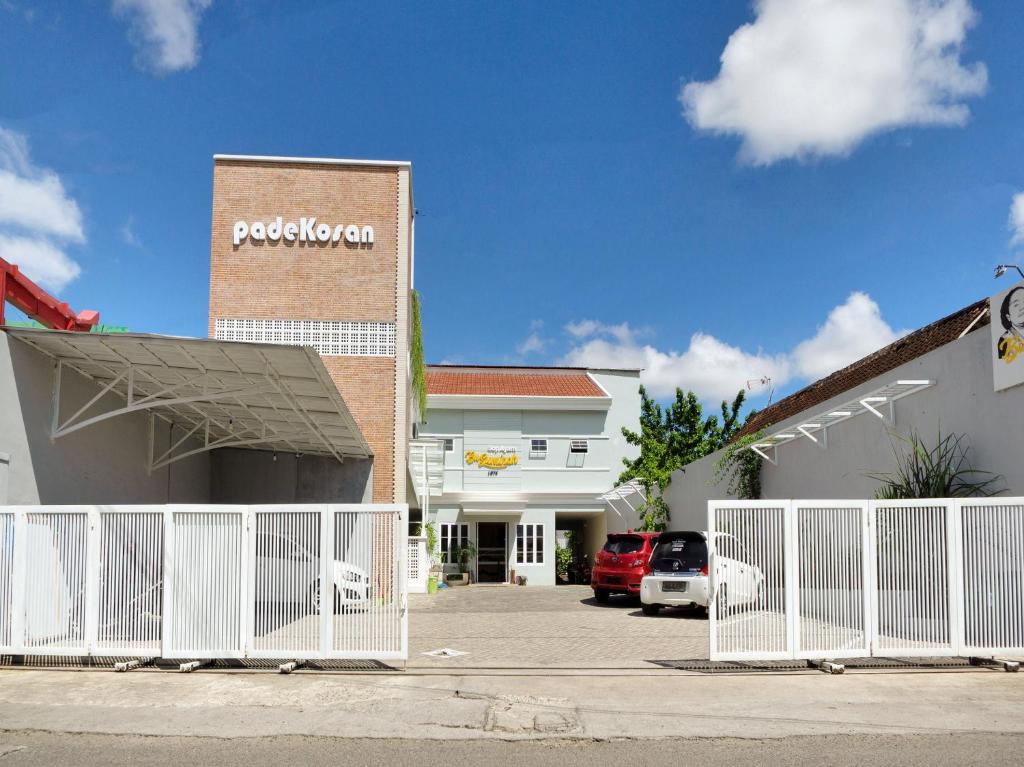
[506, 402]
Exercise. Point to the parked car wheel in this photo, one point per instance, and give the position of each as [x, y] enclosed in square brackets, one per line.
[651, 609]
[602, 595]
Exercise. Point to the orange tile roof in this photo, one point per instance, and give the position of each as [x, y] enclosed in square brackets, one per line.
[511, 381]
[910, 347]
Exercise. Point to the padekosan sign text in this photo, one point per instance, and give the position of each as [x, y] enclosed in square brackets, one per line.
[306, 229]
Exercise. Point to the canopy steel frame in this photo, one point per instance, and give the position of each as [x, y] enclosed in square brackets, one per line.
[880, 403]
[624, 493]
[226, 405]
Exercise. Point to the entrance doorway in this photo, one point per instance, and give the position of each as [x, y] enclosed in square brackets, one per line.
[491, 548]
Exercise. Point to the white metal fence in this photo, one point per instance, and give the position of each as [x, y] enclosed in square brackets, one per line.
[828, 579]
[297, 581]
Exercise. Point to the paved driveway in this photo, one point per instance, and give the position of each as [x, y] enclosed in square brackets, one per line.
[547, 627]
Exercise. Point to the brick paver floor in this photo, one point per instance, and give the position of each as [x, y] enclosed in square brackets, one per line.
[547, 627]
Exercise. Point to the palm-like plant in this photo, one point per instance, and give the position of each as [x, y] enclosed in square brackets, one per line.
[942, 471]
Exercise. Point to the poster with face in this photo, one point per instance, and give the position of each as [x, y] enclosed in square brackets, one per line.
[1007, 312]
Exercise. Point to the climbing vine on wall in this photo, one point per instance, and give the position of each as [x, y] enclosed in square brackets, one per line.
[741, 468]
[416, 359]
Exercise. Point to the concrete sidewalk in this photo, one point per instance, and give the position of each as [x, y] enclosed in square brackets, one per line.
[243, 704]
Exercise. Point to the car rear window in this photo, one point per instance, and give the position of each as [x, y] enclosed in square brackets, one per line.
[680, 555]
[624, 544]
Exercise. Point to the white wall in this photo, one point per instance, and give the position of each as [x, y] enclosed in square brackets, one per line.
[254, 476]
[556, 471]
[536, 574]
[962, 401]
[101, 464]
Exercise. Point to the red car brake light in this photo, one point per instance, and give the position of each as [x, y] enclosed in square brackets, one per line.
[704, 570]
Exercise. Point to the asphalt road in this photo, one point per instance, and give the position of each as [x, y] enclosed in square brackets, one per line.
[40, 749]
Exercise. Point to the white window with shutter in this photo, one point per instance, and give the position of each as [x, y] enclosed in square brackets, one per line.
[578, 449]
[538, 448]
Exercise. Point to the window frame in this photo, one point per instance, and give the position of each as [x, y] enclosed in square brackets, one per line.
[448, 444]
[579, 446]
[530, 543]
[538, 447]
[446, 540]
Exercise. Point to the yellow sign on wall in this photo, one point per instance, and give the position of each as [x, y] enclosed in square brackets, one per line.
[490, 461]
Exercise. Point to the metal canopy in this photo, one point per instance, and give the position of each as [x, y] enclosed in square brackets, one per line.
[878, 403]
[426, 465]
[630, 493]
[218, 393]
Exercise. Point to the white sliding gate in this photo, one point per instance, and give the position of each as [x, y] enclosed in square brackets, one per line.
[842, 579]
[296, 581]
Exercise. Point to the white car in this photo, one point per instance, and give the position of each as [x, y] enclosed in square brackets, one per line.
[287, 571]
[679, 573]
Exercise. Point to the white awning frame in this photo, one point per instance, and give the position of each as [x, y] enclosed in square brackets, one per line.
[426, 467]
[224, 394]
[629, 493]
[879, 403]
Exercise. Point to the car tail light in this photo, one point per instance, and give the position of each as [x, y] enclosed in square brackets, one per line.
[704, 570]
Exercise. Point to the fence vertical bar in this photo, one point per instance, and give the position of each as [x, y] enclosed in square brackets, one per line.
[712, 586]
[872, 621]
[867, 577]
[401, 551]
[955, 573]
[247, 587]
[18, 582]
[250, 534]
[793, 551]
[166, 609]
[92, 580]
[326, 616]
[789, 578]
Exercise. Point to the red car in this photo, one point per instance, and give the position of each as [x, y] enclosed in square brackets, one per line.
[621, 564]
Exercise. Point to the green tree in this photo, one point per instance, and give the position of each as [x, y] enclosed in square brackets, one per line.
[669, 438]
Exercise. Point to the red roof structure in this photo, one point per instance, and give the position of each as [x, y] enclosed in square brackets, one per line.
[906, 349]
[511, 381]
[39, 305]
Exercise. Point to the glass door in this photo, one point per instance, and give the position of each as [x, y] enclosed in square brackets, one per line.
[491, 552]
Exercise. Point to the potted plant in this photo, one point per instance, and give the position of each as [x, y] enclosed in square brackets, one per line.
[461, 555]
[436, 558]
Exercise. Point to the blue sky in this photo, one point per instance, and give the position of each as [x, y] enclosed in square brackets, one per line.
[843, 171]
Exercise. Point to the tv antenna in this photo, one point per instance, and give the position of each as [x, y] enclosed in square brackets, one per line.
[764, 381]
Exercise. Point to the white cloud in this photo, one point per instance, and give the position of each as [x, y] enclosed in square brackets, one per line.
[711, 368]
[716, 370]
[812, 78]
[1017, 218]
[853, 330]
[36, 216]
[534, 343]
[31, 198]
[128, 235]
[165, 32]
[623, 332]
[40, 260]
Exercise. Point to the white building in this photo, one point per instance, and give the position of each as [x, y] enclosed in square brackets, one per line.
[527, 452]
